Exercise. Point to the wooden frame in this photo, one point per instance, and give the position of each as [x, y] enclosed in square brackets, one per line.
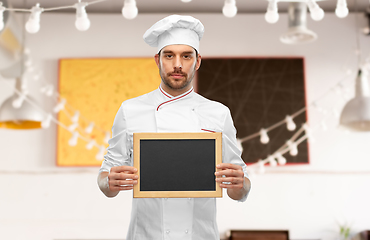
[177, 144]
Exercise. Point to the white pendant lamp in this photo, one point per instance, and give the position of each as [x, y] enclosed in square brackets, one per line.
[355, 115]
[298, 32]
[19, 116]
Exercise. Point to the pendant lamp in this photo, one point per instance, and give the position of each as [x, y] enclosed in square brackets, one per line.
[26, 116]
[298, 32]
[355, 115]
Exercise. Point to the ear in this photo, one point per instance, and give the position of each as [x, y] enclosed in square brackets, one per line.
[156, 58]
[199, 60]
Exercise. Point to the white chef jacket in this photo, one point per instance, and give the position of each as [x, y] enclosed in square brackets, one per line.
[158, 111]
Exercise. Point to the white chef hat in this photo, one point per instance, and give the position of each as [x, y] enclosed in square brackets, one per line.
[175, 29]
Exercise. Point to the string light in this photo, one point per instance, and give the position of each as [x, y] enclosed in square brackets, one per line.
[100, 155]
[290, 123]
[341, 10]
[272, 15]
[46, 123]
[82, 22]
[229, 9]
[129, 10]
[239, 144]
[2, 9]
[17, 103]
[33, 23]
[73, 141]
[72, 127]
[280, 159]
[75, 117]
[264, 137]
[60, 106]
[272, 161]
[89, 128]
[90, 144]
[107, 137]
[293, 150]
[317, 13]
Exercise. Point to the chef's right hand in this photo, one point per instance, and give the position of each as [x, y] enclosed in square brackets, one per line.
[122, 178]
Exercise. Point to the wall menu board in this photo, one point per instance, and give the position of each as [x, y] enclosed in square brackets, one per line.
[177, 165]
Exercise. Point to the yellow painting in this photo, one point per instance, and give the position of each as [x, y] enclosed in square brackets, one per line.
[96, 88]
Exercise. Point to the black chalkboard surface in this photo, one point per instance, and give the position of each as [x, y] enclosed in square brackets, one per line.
[177, 164]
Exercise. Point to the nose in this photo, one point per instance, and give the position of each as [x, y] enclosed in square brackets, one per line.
[178, 63]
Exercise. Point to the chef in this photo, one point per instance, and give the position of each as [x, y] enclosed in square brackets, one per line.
[173, 107]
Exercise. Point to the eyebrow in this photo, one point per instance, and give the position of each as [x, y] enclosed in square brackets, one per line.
[189, 52]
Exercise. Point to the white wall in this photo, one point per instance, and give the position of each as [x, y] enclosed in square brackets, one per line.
[40, 201]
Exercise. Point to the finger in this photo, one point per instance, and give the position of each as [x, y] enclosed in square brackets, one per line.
[122, 176]
[231, 186]
[230, 173]
[121, 188]
[127, 169]
[231, 180]
[122, 182]
[228, 166]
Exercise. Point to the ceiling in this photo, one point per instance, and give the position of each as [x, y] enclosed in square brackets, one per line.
[176, 6]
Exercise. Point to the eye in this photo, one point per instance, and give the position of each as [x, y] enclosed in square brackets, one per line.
[168, 56]
[186, 56]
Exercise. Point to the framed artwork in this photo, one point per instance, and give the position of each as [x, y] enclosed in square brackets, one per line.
[96, 88]
[259, 92]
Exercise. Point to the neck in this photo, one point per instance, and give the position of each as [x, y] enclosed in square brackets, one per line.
[175, 92]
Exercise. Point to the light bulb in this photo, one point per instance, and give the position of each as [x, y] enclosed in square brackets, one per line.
[293, 150]
[33, 23]
[100, 155]
[59, 106]
[290, 123]
[129, 10]
[75, 117]
[280, 159]
[229, 9]
[264, 137]
[89, 128]
[272, 15]
[185, 1]
[341, 10]
[2, 9]
[72, 127]
[107, 137]
[317, 13]
[82, 21]
[73, 141]
[17, 103]
[90, 144]
[239, 144]
[272, 161]
[46, 122]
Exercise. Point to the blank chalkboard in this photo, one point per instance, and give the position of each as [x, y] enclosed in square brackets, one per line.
[177, 164]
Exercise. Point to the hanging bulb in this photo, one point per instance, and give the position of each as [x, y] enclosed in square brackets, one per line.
[72, 127]
[48, 90]
[272, 161]
[73, 141]
[60, 106]
[107, 137]
[272, 15]
[290, 123]
[82, 21]
[261, 167]
[75, 117]
[2, 9]
[280, 159]
[46, 122]
[129, 10]
[229, 10]
[264, 137]
[90, 144]
[293, 148]
[89, 128]
[341, 10]
[17, 103]
[308, 131]
[239, 144]
[317, 13]
[100, 155]
[33, 23]
[185, 1]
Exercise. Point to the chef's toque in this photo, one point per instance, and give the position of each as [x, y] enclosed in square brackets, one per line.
[175, 29]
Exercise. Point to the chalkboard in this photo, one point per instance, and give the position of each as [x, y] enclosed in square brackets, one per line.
[177, 164]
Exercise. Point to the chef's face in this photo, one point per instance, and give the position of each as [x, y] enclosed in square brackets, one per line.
[177, 66]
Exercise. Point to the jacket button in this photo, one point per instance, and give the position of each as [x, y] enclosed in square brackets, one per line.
[186, 231]
[167, 231]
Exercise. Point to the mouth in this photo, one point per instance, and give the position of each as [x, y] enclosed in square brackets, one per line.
[177, 76]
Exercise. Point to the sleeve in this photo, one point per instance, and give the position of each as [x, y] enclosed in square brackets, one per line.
[118, 152]
[230, 151]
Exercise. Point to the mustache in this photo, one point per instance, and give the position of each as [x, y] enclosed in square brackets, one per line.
[177, 72]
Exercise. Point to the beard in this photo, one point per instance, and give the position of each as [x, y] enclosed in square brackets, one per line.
[176, 84]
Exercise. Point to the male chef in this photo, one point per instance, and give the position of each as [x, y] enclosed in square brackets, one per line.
[173, 107]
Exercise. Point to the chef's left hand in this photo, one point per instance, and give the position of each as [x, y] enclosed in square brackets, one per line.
[230, 173]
